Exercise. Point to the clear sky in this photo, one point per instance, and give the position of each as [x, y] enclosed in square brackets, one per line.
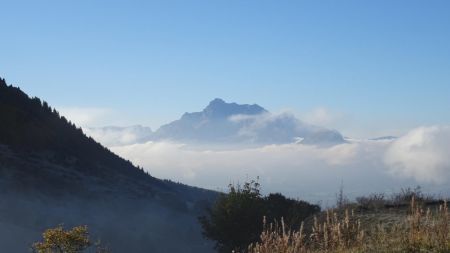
[377, 67]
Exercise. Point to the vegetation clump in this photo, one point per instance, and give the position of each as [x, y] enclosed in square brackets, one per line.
[234, 221]
[59, 240]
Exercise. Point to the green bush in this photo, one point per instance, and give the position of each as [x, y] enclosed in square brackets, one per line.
[235, 220]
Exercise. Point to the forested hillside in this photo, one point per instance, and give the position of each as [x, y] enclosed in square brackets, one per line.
[51, 173]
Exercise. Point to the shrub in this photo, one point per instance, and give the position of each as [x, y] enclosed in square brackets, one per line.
[373, 201]
[234, 221]
[59, 240]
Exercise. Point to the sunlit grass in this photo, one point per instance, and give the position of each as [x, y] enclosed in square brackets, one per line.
[421, 230]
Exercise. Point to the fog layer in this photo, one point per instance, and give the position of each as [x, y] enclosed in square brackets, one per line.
[420, 157]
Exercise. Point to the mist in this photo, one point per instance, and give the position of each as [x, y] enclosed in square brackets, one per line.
[420, 157]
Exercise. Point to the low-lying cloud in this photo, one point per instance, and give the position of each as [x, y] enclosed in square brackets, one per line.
[120, 136]
[419, 157]
[422, 154]
[86, 116]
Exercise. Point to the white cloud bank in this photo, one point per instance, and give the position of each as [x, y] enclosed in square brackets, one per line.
[293, 169]
[119, 136]
[420, 157]
[422, 154]
[322, 116]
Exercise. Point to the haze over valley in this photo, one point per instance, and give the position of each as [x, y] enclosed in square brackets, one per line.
[228, 142]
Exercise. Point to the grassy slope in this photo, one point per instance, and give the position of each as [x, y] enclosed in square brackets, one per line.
[417, 227]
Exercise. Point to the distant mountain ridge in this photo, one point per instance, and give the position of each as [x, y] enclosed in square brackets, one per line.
[385, 138]
[210, 125]
[222, 123]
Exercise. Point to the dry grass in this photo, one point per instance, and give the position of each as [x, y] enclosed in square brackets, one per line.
[418, 231]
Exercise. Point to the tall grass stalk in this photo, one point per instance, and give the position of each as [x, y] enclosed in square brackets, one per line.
[419, 231]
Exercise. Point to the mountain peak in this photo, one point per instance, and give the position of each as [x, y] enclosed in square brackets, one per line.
[219, 108]
[215, 125]
[216, 102]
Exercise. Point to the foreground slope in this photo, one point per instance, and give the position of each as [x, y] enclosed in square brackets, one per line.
[51, 173]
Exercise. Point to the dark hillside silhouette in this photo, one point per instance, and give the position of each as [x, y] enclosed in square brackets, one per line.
[51, 173]
[29, 124]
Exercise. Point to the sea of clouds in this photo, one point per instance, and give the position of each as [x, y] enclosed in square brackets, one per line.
[420, 157]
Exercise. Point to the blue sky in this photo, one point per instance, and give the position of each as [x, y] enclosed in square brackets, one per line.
[381, 67]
